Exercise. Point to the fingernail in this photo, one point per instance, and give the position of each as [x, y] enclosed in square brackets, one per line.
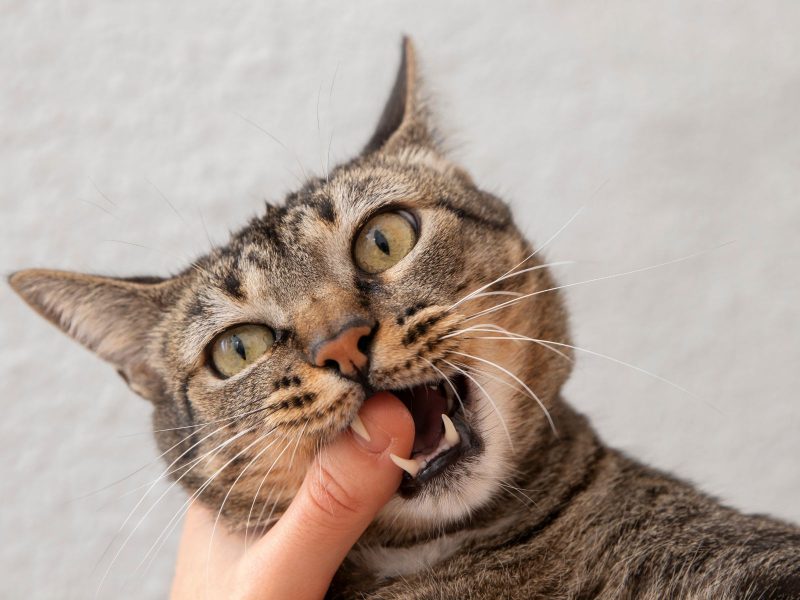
[358, 427]
[369, 435]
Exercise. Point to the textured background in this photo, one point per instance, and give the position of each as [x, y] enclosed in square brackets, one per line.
[673, 124]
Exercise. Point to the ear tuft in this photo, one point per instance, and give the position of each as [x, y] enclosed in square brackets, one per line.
[112, 317]
[405, 118]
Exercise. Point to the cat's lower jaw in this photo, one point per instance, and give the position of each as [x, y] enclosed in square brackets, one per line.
[452, 449]
[442, 412]
[592, 524]
[452, 480]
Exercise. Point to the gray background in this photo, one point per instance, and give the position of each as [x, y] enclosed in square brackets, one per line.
[674, 125]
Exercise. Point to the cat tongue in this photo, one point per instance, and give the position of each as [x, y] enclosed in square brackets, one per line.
[427, 406]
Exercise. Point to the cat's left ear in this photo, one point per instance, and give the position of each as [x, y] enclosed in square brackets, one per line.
[115, 318]
[405, 120]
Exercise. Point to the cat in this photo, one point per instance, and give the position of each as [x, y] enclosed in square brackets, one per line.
[397, 272]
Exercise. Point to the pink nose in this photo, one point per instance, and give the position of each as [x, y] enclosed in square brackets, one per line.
[342, 351]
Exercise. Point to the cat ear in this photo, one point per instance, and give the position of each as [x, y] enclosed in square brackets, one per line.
[112, 317]
[405, 120]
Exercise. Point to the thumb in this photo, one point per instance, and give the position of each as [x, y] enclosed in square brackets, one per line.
[345, 487]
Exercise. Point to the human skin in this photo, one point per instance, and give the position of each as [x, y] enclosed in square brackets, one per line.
[342, 492]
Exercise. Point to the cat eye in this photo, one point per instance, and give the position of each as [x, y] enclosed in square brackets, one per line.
[240, 346]
[384, 240]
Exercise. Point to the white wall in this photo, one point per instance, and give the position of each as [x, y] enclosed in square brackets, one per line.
[675, 124]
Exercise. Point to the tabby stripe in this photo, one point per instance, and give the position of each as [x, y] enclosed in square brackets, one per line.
[591, 473]
[187, 405]
[470, 216]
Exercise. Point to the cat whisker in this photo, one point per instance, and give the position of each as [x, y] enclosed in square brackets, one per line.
[272, 491]
[518, 493]
[485, 294]
[158, 500]
[101, 207]
[165, 199]
[319, 136]
[517, 379]
[150, 485]
[224, 419]
[225, 499]
[330, 139]
[493, 377]
[450, 383]
[144, 466]
[173, 522]
[510, 272]
[103, 195]
[507, 275]
[490, 328]
[606, 357]
[277, 141]
[205, 229]
[161, 251]
[593, 280]
[489, 398]
[291, 462]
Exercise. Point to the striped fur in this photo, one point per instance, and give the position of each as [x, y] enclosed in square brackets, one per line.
[525, 514]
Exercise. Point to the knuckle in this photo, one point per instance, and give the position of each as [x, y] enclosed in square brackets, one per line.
[330, 497]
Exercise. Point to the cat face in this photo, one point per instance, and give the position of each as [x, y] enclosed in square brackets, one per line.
[395, 272]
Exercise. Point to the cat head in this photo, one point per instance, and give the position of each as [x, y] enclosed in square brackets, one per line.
[395, 272]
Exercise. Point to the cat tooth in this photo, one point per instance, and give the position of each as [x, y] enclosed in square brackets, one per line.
[450, 432]
[357, 425]
[409, 465]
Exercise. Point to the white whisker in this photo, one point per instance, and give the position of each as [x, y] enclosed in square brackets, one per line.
[158, 500]
[144, 466]
[518, 380]
[606, 357]
[225, 499]
[173, 522]
[491, 328]
[508, 274]
[593, 280]
[450, 383]
[489, 398]
[269, 471]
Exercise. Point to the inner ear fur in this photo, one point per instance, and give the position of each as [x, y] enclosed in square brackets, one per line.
[112, 317]
[405, 120]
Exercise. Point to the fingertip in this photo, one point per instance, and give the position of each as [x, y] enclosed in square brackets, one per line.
[386, 417]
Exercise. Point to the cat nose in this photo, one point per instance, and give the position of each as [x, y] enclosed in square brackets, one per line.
[345, 351]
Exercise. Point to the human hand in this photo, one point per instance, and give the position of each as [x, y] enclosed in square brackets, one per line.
[299, 555]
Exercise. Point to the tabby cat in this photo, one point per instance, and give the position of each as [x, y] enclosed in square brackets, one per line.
[397, 272]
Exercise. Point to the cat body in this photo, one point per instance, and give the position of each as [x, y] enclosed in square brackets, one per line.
[396, 272]
[598, 526]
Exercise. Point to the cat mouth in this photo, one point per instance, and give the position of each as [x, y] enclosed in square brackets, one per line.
[442, 435]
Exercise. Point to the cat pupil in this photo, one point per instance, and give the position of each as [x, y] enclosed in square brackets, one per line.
[238, 346]
[381, 242]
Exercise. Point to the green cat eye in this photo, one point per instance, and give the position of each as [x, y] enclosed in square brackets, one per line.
[384, 240]
[240, 346]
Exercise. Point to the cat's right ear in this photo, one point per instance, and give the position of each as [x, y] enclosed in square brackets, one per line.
[405, 120]
[114, 318]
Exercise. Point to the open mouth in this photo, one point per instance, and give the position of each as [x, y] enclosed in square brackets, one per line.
[442, 435]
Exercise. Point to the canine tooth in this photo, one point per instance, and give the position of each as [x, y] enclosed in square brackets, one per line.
[450, 432]
[409, 465]
[357, 425]
[449, 396]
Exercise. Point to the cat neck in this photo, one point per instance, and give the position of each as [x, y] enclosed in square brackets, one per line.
[555, 470]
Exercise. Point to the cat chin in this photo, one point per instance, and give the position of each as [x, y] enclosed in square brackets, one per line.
[464, 487]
